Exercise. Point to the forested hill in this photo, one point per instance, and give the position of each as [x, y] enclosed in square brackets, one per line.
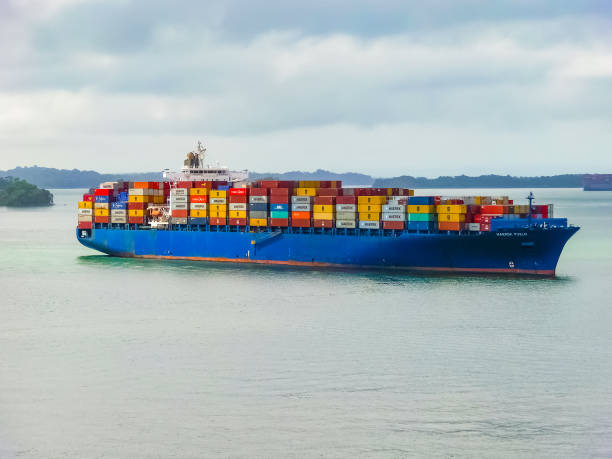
[483, 181]
[19, 193]
[49, 177]
[64, 178]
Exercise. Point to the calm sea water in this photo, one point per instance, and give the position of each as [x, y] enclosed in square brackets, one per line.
[119, 358]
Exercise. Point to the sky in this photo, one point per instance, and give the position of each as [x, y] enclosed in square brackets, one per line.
[380, 87]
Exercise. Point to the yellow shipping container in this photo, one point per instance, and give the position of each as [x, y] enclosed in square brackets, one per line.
[218, 207]
[137, 212]
[218, 193]
[309, 184]
[452, 209]
[138, 198]
[258, 222]
[85, 205]
[198, 213]
[198, 191]
[372, 200]
[303, 191]
[414, 209]
[369, 216]
[160, 199]
[323, 215]
[237, 214]
[451, 218]
[218, 214]
[369, 208]
[101, 212]
[323, 208]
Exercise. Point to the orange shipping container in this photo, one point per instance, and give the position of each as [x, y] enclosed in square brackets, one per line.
[298, 215]
[450, 226]
[493, 210]
[199, 198]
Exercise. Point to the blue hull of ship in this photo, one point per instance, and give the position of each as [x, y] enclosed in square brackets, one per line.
[533, 251]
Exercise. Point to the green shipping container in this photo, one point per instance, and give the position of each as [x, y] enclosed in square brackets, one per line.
[422, 217]
[279, 214]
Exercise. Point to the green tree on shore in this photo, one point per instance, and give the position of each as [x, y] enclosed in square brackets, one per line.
[19, 193]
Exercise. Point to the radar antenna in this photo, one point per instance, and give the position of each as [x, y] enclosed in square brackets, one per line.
[531, 197]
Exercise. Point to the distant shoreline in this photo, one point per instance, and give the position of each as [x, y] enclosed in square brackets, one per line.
[71, 179]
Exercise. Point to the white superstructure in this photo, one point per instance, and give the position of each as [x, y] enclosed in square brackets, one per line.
[194, 169]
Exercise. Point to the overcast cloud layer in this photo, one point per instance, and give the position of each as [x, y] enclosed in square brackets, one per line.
[386, 88]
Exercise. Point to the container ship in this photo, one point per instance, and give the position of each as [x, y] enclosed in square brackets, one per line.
[210, 213]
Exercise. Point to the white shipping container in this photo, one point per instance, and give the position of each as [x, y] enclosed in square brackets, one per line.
[367, 224]
[346, 208]
[85, 218]
[218, 201]
[395, 208]
[102, 205]
[178, 206]
[258, 199]
[300, 199]
[345, 215]
[393, 217]
[198, 206]
[109, 185]
[85, 211]
[178, 221]
[238, 206]
[473, 226]
[301, 207]
[397, 200]
[178, 192]
[345, 223]
[140, 192]
[118, 219]
[119, 212]
[179, 199]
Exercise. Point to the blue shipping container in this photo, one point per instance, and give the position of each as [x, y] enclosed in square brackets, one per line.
[118, 205]
[258, 207]
[420, 226]
[280, 208]
[198, 221]
[101, 198]
[421, 200]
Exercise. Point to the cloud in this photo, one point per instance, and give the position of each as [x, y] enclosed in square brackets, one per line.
[261, 73]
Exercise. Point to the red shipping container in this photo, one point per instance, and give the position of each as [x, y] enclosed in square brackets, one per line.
[278, 199]
[323, 223]
[136, 220]
[84, 225]
[258, 191]
[329, 192]
[198, 198]
[103, 192]
[324, 200]
[101, 219]
[493, 210]
[137, 205]
[393, 225]
[179, 213]
[88, 198]
[237, 221]
[268, 183]
[485, 227]
[218, 221]
[346, 200]
[279, 222]
[184, 184]
[477, 218]
[238, 199]
[300, 222]
[238, 191]
[280, 191]
[203, 184]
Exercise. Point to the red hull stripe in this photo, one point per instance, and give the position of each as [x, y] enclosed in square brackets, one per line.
[536, 272]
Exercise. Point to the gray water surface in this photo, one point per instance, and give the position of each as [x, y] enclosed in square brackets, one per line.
[120, 358]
